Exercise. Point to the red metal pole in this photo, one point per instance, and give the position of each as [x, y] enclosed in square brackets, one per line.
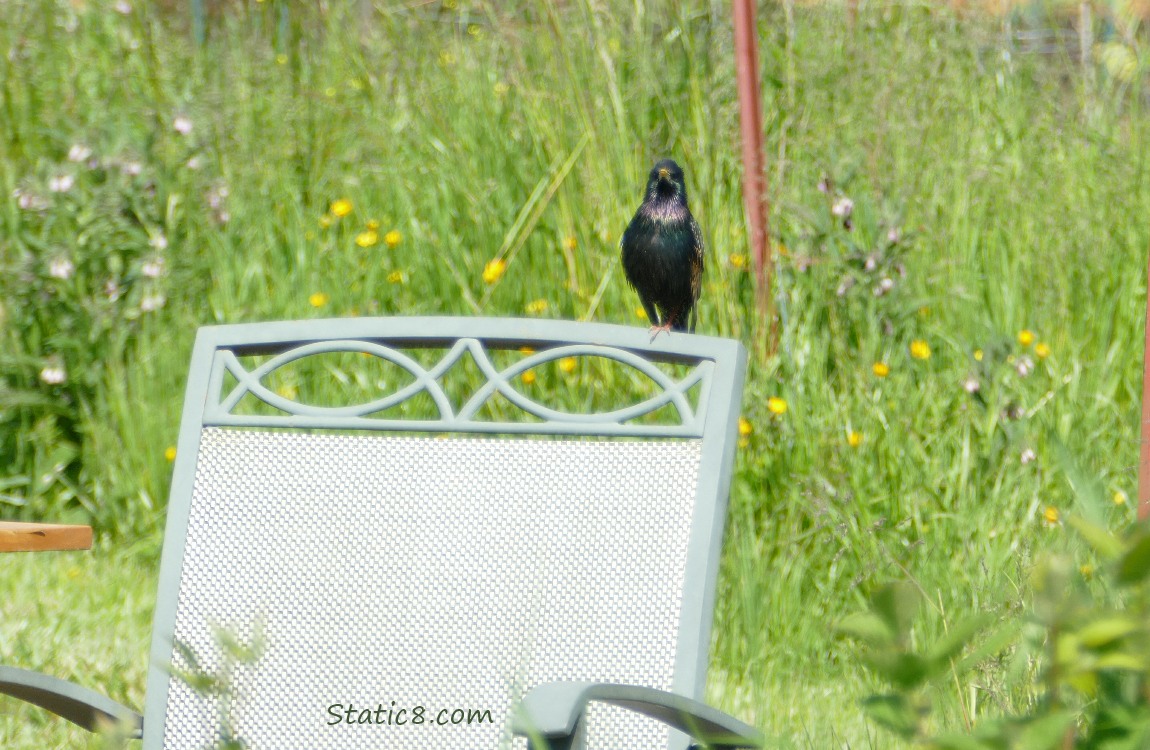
[1144, 463]
[754, 161]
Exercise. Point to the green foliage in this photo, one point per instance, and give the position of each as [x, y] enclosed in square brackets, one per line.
[1087, 634]
[81, 265]
[235, 653]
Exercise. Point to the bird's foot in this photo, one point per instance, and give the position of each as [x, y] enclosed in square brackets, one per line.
[656, 330]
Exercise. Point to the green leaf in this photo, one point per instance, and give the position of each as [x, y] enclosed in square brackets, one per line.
[1046, 732]
[897, 604]
[899, 668]
[995, 642]
[1090, 493]
[1135, 564]
[893, 712]
[1103, 632]
[1100, 540]
[866, 627]
[957, 638]
[957, 742]
[1120, 660]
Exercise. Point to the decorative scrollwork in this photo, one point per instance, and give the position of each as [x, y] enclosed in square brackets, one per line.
[221, 409]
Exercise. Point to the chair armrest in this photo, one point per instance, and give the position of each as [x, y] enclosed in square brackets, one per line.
[68, 700]
[552, 712]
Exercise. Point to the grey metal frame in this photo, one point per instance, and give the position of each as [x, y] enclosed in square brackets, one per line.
[718, 367]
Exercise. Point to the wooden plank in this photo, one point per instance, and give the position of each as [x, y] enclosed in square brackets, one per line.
[43, 537]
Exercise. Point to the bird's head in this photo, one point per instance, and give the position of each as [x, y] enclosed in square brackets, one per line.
[666, 181]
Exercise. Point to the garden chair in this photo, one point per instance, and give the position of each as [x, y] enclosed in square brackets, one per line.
[505, 570]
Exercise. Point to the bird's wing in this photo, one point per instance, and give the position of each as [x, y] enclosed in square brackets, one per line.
[697, 260]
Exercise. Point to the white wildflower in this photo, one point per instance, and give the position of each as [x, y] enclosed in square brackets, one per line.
[78, 153]
[29, 201]
[152, 302]
[61, 183]
[1027, 456]
[843, 207]
[153, 269]
[61, 268]
[971, 385]
[182, 125]
[53, 374]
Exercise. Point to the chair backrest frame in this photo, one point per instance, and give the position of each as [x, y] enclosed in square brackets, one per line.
[721, 366]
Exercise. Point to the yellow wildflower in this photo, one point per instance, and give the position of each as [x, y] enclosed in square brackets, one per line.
[287, 391]
[1119, 498]
[373, 225]
[325, 221]
[570, 243]
[737, 260]
[393, 238]
[924, 312]
[341, 208]
[640, 313]
[854, 439]
[536, 307]
[170, 453]
[494, 270]
[446, 57]
[776, 405]
[880, 369]
[745, 427]
[397, 277]
[1041, 350]
[319, 299]
[281, 59]
[567, 364]
[528, 377]
[1050, 515]
[919, 349]
[1026, 337]
[1087, 571]
[367, 239]
[977, 355]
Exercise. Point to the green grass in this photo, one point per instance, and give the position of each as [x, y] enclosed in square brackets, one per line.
[1021, 196]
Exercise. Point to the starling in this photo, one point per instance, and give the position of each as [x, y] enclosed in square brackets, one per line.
[663, 251]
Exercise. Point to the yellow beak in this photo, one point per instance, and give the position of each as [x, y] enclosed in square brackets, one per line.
[664, 173]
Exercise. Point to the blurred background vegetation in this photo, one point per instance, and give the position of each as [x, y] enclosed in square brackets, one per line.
[959, 211]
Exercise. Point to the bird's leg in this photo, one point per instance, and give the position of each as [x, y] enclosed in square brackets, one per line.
[665, 327]
[656, 330]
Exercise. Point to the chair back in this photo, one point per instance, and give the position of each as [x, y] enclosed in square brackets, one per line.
[382, 532]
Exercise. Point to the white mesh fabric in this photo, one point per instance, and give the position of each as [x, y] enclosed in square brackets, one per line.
[447, 573]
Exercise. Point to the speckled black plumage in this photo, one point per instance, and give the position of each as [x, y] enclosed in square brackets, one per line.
[662, 251]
